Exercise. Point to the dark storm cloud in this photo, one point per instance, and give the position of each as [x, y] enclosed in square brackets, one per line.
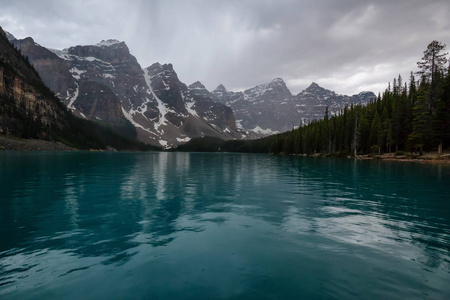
[346, 46]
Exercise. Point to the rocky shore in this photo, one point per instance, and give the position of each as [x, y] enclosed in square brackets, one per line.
[19, 144]
[428, 157]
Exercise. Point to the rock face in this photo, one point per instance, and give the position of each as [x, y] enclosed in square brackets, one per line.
[105, 82]
[27, 107]
[271, 108]
[217, 114]
[314, 100]
[262, 110]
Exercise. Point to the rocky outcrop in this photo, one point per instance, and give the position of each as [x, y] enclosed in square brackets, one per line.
[262, 110]
[215, 113]
[27, 107]
[53, 70]
[96, 99]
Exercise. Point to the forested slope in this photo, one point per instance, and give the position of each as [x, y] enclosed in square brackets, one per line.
[408, 116]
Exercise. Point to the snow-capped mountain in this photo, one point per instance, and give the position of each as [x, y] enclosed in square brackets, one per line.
[261, 110]
[270, 108]
[312, 102]
[217, 114]
[105, 82]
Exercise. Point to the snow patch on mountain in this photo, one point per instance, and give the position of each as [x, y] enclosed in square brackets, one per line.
[267, 131]
[76, 73]
[64, 54]
[107, 43]
[184, 140]
[73, 97]
[129, 117]
[163, 110]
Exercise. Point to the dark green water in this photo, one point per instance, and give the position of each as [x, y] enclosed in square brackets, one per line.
[232, 226]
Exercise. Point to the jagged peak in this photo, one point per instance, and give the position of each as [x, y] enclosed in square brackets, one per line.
[107, 43]
[220, 88]
[197, 85]
[156, 65]
[158, 69]
[29, 39]
[277, 81]
[168, 66]
[314, 85]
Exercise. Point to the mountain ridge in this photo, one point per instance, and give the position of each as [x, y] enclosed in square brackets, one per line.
[152, 99]
[271, 108]
[164, 110]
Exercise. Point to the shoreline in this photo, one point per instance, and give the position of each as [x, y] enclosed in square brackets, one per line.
[431, 157]
[419, 160]
[427, 158]
[12, 143]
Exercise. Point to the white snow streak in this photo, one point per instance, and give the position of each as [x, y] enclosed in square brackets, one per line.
[185, 140]
[129, 117]
[107, 43]
[163, 110]
[76, 73]
[74, 97]
[259, 130]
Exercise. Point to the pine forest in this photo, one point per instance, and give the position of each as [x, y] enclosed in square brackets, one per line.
[410, 116]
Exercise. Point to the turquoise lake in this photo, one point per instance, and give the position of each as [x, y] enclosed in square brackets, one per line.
[81, 225]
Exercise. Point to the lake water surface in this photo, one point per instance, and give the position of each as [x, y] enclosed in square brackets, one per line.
[233, 226]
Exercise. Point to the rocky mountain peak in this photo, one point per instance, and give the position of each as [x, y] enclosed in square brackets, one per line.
[278, 84]
[154, 67]
[163, 71]
[220, 89]
[197, 86]
[111, 51]
[28, 40]
[278, 81]
[276, 89]
[314, 88]
[107, 43]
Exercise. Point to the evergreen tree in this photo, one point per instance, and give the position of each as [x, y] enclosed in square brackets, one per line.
[433, 62]
[421, 127]
[375, 133]
[441, 121]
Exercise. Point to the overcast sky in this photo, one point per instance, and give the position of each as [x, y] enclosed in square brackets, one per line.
[344, 45]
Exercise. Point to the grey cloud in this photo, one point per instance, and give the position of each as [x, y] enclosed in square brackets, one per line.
[345, 46]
